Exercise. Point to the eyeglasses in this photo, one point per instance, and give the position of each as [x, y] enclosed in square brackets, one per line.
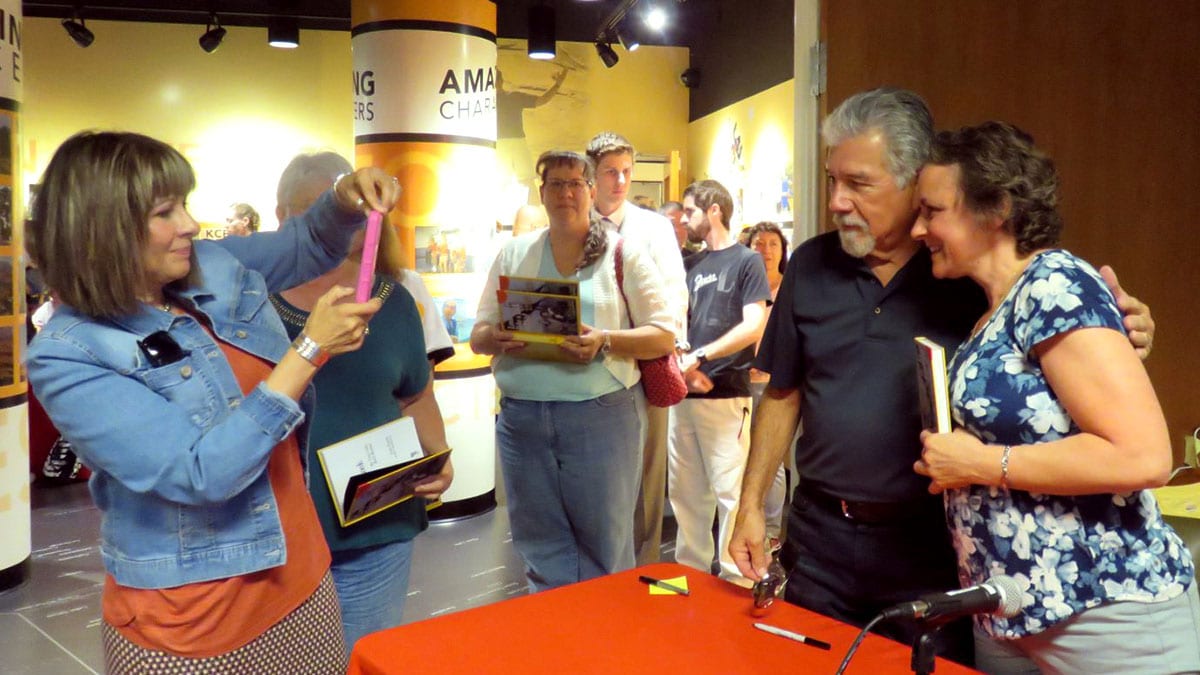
[574, 185]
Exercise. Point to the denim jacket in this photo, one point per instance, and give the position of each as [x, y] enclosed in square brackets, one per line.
[178, 454]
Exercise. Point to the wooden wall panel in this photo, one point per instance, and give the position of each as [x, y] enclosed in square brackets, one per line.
[1111, 89]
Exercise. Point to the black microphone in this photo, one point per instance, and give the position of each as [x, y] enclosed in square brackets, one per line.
[999, 595]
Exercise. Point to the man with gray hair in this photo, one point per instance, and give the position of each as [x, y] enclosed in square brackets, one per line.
[863, 532]
[309, 175]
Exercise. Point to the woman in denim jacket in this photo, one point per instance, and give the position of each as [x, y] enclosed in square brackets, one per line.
[172, 376]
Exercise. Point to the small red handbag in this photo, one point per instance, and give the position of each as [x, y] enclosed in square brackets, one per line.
[661, 380]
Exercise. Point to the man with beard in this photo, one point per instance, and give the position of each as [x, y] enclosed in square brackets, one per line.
[727, 291]
[863, 532]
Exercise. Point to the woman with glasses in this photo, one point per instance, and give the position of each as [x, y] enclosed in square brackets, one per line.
[567, 431]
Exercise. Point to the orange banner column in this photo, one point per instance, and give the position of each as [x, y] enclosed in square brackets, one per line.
[15, 546]
[425, 111]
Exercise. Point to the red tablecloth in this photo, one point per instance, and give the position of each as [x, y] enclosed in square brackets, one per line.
[613, 626]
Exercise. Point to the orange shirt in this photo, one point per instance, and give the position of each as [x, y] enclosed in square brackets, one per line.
[214, 617]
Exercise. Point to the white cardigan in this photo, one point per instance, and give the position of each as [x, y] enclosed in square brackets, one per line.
[644, 287]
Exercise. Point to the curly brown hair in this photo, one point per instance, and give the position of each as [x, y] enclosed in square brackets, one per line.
[1002, 173]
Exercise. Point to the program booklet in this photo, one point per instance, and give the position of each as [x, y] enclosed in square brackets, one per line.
[933, 388]
[540, 313]
[377, 469]
[539, 285]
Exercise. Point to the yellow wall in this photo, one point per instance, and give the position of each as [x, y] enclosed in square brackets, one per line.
[764, 124]
[241, 113]
[640, 98]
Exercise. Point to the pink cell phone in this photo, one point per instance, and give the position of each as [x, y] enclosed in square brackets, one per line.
[366, 273]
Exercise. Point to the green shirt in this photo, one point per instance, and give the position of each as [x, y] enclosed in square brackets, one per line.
[358, 391]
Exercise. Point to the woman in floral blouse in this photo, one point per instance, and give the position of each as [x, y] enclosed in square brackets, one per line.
[1059, 434]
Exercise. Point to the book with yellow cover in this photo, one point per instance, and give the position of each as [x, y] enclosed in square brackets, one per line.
[377, 469]
[539, 285]
[541, 320]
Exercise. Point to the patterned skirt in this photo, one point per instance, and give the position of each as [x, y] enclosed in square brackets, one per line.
[308, 640]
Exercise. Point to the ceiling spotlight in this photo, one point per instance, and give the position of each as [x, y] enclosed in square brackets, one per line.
[541, 32]
[78, 31]
[283, 33]
[607, 54]
[656, 19]
[628, 36]
[213, 34]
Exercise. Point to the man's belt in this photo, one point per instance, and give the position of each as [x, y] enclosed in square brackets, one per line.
[869, 513]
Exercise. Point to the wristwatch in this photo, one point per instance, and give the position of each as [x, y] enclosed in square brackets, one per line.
[701, 356]
[309, 350]
[606, 346]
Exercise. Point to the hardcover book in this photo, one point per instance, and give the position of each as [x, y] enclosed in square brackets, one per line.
[539, 285]
[540, 319]
[377, 469]
[933, 390]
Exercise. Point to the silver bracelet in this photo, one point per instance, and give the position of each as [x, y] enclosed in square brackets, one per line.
[309, 350]
[1004, 466]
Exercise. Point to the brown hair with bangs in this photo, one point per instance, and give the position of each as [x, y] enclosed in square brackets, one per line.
[89, 223]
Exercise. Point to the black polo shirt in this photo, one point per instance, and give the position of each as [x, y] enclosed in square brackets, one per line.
[846, 342]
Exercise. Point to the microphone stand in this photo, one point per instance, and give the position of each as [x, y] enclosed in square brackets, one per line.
[925, 649]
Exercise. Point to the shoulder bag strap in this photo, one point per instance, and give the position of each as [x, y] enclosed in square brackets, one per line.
[620, 264]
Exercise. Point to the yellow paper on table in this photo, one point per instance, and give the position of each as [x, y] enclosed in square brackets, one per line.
[676, 581]
[1180, 501]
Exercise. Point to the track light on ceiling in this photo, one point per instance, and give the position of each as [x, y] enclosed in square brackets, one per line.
[656, 19]
[78, 30]
[213, 34]
[283, 33]
[607, 54]
[627, 34]
[541, 32]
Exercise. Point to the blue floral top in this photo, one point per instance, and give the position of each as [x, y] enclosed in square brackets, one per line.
[1067, 553]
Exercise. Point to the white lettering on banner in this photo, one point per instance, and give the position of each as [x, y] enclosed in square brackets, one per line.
[448, 84]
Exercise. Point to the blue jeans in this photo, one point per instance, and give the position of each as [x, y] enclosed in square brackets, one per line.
[372, 584]
[572, 470]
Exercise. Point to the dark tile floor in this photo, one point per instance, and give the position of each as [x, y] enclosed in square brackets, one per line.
[51, 623]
